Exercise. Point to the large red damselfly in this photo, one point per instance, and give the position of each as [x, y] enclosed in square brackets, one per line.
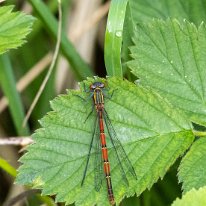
[97, 90]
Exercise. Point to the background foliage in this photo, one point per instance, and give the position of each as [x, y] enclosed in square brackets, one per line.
[158, 118]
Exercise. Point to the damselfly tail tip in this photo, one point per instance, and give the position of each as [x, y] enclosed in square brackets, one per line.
[112, 202]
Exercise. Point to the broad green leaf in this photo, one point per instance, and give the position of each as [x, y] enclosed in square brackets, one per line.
[170, 58]
[192, 198]
[14, 28]
[151, 131]
[113, 37]
[145, 11]
[192, 168]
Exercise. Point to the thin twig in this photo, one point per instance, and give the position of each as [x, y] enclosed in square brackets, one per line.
[28, 78]
[50, 68]
[18, 141]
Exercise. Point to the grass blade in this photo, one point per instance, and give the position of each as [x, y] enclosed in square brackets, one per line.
[7, 167]
[113, 37]
[9, 88]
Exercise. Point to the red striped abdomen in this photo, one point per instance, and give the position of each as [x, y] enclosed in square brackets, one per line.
[105, 159]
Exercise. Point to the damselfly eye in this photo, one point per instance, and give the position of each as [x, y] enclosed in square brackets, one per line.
[96, 85]
[101, 85]
[92, 87]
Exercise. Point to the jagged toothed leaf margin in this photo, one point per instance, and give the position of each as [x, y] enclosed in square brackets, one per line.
[151, 131]
[169, 57]
[192, 198]
[139, 11]
[192, 168]
[14, 28]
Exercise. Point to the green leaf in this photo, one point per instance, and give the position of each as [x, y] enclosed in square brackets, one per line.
[151, 131]
[113, 37]
[7, 167]
[14, 28]
[192, 168]
[170, 58]
[192, 198]
[145, 11]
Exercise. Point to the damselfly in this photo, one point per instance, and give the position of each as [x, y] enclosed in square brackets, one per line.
[97, 90]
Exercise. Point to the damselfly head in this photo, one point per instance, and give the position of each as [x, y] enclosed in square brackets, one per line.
[96, 85]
